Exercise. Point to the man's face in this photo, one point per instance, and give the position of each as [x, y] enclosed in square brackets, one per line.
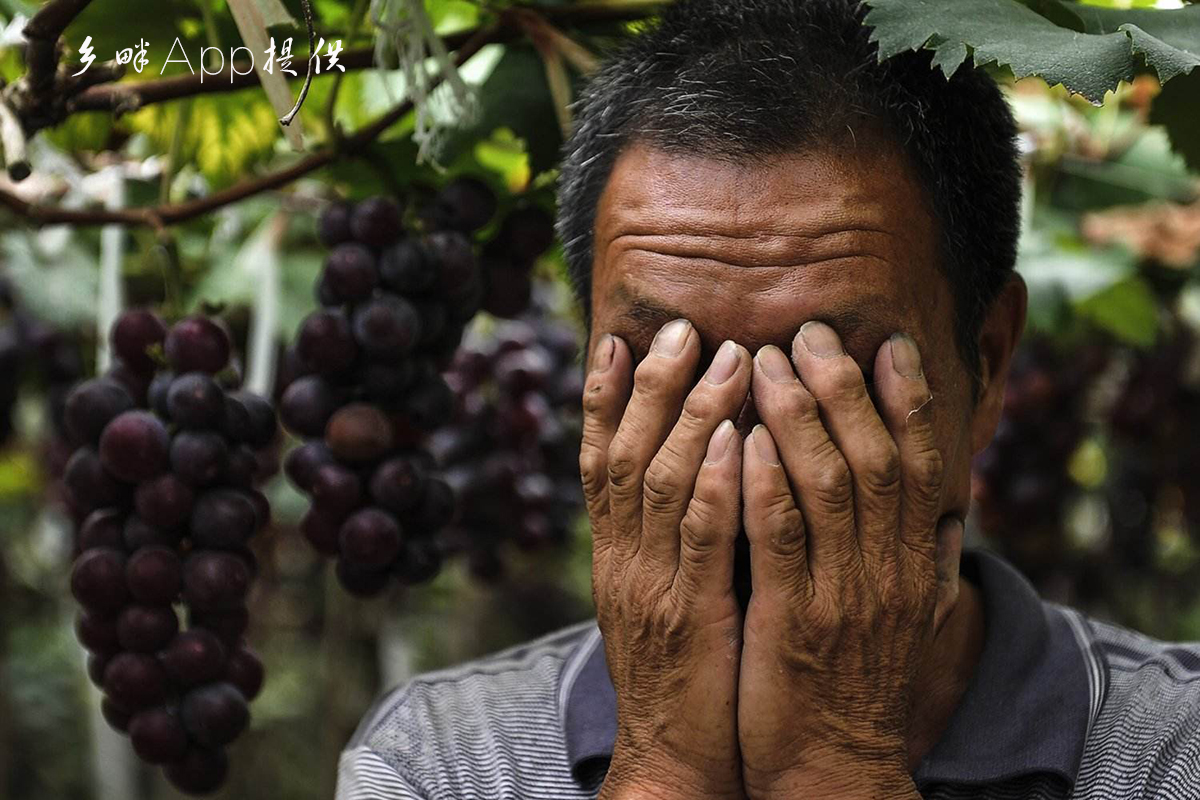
[751, 251]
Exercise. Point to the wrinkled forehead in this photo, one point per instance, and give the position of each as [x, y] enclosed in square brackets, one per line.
[750, 250]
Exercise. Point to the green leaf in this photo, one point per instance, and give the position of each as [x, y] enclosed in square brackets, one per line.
[1177, 108]
[1012, 34]
[1127, 309]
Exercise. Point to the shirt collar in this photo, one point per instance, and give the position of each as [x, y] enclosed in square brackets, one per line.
[1027, 709]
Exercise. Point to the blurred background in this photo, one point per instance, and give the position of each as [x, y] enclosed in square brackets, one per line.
[1091, 487]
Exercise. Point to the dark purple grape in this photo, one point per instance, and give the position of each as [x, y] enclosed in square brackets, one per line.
[158, 736]
[302, 463]
[464, 204]
[361, 581]
[117, 717]
[136, 383]
[95, 669]
[376, 221]
[194, 657]
[485, 565]
[157, 394]
[90, 484]
[146, 629]
[307, 405]
[214, 581]
[437, 507]
[408, 268]
[359, 432]
[398, 484]
[154, 575]
[527, 233]
[134, 447]
[135, 681]
[333, 224]
[139, 534]
[242, 467]
[197, 344]
[92, 405]
[229, 625]
[133, 334]
[200, 771]
[524, 370]
[103, 528]
[214, 715]
[97, 633]
[457, 266]
[326, 341]
[259, 426]
[509, 290]
[222, 519]
[387, 327]
[322, 531]
[164, 502]
[324, 294]
[199, 457]
[435, 320]
[245, 671]
[370, 539]
[336, 490]
[262, 508]
[194, 400]
[98, 580]
[350, 272]
[386, 384]
[430, 405]
[419, 562]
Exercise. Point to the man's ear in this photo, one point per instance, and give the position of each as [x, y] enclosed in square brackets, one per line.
[998, 339]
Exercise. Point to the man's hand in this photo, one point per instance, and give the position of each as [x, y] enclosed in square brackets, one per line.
[841, 509]
[662, 475]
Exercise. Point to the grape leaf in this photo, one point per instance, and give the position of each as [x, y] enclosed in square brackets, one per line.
[1175, 109]
[1010, 34]
[1127, 309]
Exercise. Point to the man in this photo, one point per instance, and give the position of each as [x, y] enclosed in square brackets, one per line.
[797, 265]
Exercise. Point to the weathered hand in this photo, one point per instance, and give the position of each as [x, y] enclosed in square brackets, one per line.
[662, 474]
[841, 506]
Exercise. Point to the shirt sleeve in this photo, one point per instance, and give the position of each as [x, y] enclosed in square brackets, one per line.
[363, 775]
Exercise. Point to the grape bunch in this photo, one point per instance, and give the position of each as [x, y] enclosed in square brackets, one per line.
[165, 472]
[511, 453]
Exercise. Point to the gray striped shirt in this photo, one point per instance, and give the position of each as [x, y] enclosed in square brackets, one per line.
[1060, 706]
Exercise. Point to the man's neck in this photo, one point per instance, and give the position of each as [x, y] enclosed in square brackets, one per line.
[947, 670]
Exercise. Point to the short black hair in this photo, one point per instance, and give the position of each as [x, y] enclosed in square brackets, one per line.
[740, 79]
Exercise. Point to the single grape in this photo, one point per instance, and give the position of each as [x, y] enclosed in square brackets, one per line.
[431, 404]
[322, 531]
[134, 446]
[350, 272]
[194, 657]
[136, 383]
[387, 327]
[92, 405]
[117, 717]
[326, 341]
[164, 502]
[302, 463]
[197, 344]
[133, 334]
[398, 484]
[146, 629]
[228, 625]
[370, 539]
[307, 405]
[245, 671]
[376, 221]
[135, 681]
[361, 581]
[222, 519]
[509, 290]
[214, 581]
[262, 508]
[527, 233]
[436, 509]
[359, 432]
[156, 395]
[261, 422]
[90, 484]
[464, 204]
[333, 224]
[98, 580]
[435, 320]
[96, 664]
[200, 771]
[386, 384]
[419, 562]
[215, 714]
[194, 400]
[199, 457]
[154, 575]
[336, 490]
[103, 528]
[408, 268]
[456, 260]
[139, 534]
[158, 736]
[97, 633]
[242, 468]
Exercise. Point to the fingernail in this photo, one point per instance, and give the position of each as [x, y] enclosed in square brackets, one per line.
[775, 364]
[724, 365]
[821, 340]
[906, 360]
[604, 353]
[670, 340]
[720, 444]
[765, 446]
